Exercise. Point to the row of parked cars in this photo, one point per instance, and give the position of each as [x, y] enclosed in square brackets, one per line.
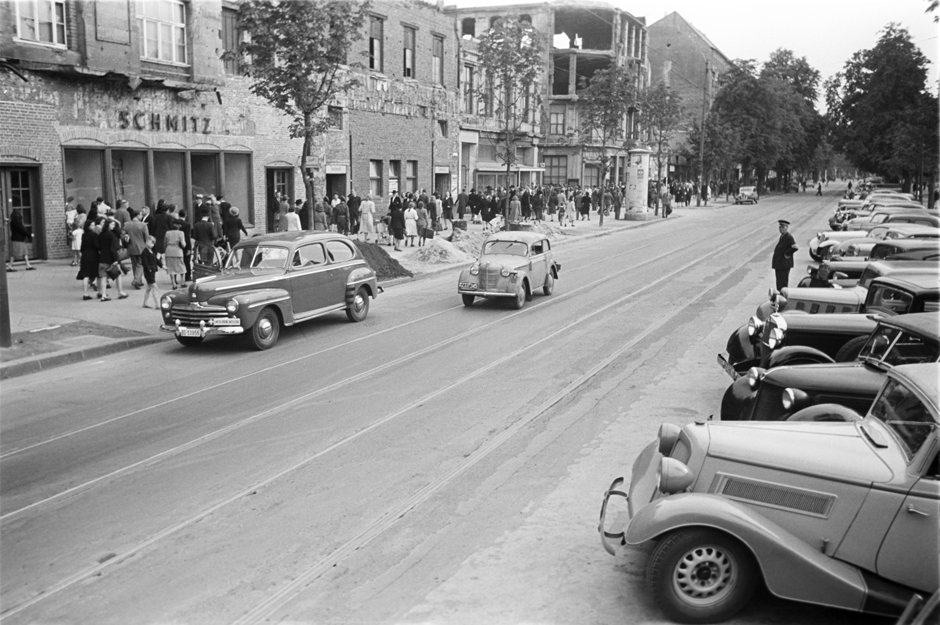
[821, 480]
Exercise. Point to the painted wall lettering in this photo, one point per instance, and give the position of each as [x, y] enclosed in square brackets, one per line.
[159, 122]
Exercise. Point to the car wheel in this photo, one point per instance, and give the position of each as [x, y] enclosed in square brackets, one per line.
[701, 575]
[359, 308]
[851, 350]
[189, 341]
[519, 300]
[549, 287]
[467, 299]
[263, 335]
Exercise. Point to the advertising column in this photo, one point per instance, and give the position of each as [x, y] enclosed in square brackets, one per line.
[638, 184]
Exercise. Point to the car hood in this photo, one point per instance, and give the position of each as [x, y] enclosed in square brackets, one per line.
[854, 324]
[854, 378]
[503, 260]
[848, 297]
[834, 450]
[236, 279]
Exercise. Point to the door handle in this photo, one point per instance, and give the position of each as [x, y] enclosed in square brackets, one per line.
[911, 509]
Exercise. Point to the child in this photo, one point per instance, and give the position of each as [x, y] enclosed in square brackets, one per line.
[149, 263]
[561, 213]
[571, 211]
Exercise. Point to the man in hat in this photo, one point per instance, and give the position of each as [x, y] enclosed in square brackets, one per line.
[783, 254]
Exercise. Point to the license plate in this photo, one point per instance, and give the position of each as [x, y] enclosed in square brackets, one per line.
[228, 321]
[189, 332]
[727, 367]
[467, 285]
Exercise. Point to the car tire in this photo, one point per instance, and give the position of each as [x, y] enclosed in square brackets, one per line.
[189, 341]
[359, 308]
[519, 300]
[266, 330]
[467, 299]
[549, 287]
[701, 575]
[851, 350]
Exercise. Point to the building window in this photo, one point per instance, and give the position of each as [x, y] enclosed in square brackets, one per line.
[468, 27]
[438, 60]
[375, 179]
[591, 175]
[411, 176]
[442, 127]
[376, 39]
[231, 37]
[468, 87]
[335, 117]
[408, 70]
[394, 176]
[556, 169]
[162, 26]
[556, 123]
[42, 21]
[488, 104]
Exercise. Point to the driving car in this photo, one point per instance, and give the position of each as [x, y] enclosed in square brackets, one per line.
[269, 281]
[512, 265]
[746, 194]
[841, 514]
[775, 394]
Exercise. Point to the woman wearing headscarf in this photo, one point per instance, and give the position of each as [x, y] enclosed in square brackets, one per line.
[397, 224]
[320, 221]
[411, 224]
[88, 264]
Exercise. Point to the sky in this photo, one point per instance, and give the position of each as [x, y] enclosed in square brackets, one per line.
[826, 32]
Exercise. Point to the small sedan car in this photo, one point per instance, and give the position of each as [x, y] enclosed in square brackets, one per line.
[840, 514]
[512, 265]
[746, 194]
[269, 281]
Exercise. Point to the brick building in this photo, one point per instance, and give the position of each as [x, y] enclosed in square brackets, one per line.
[686, 60]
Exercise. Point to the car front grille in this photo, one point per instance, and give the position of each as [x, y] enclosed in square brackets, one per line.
[193, 314]
[491, 278]
[769, 405]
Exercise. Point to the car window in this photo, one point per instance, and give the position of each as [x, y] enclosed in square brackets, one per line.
[878, 343]
[537, 248]
[258, 257]
[888, 299]
[309, 256]
[910, 349]
[515, 248]
[339, 251]
[905, 414]
[881, 251]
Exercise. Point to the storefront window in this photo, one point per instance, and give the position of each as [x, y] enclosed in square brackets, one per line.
[237, 189]
[205, 170]
[84, 175]
[129, 174]
[168, 177]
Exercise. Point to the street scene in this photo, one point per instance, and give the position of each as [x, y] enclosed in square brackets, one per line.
[398, 312]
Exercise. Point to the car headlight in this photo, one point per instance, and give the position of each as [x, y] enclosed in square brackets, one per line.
[231, 306]
[794, 399]
[754, 376]
[754, 326]
[504, 272]
[674, 476]
[776, 338]
[166, 302]
[475, 270]
[771, 294]
[668, 435]
[809, 271]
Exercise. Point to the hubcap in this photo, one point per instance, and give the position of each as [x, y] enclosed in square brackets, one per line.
[703, 575]
[359, 303]
[265, 328]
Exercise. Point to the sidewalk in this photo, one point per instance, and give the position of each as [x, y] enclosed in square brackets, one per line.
[51, 325]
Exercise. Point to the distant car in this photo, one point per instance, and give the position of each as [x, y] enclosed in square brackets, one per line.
[746, 194]
[776, 394]
[893, 247]
[512, 265]
[269, 281]
[840, 514]
[861, 247]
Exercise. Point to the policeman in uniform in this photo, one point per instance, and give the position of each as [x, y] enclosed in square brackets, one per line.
[783, 254]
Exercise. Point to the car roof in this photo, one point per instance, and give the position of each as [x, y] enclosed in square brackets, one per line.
[517, 235]
[924, 376]
[294, 236]
[924, 324]
[917, 282]
[910, 244]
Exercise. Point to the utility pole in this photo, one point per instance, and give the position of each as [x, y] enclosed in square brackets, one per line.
[6, 338]
[701, 139]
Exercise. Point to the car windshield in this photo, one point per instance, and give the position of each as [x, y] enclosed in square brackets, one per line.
[516, 248]
[258, 257]
[894, 347]
[882, 251]
[870, 273]
[887, 299]
[905, 414]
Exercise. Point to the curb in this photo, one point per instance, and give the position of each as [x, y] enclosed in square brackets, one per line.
[42, 362]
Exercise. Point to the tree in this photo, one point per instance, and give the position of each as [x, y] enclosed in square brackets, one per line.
[295, 53]
[722, 146]
[603, 103]
[660, 114]
[510, 55]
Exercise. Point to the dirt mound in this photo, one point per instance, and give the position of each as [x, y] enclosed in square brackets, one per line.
[469, 243]
[385, 266]
[440, 251]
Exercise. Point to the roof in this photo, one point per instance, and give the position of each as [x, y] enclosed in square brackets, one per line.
[924, 376]
[924, 324]
[290, 237]
[516, 235]
[714, 48]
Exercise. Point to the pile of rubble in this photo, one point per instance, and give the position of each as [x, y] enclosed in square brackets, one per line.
[385, 266]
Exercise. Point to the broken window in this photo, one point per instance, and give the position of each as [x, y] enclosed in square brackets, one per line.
[561, 74]
[584, 29]
[409, 53]
[587, 67]
[468, 27]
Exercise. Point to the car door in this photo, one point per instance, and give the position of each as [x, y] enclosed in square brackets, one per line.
[538, 259]
[309, 272]
[342, 259]
[207, 260]
[911, 547]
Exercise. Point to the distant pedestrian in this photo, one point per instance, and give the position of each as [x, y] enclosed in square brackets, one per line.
[411, 224]
[88, 265]
[137, 234]
[515, 210]
[397, 224]
[20, 235]
[320, 221]
[175, 243]
[148, 262]
[819, 188]
[367, 217]
[233, 228]
[341, 217]
[293, 220]
[422, 224]
[782, 260]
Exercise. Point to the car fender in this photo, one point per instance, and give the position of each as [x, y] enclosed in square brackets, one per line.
[741, 349]
[251, 303]
[361, 276]
[738, 401]
[765, 310]
[794, 353]
[791, 568]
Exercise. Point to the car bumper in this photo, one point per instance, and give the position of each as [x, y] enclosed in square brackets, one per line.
[202, 332]
[728, 367]
[610, 540]
[465, 291]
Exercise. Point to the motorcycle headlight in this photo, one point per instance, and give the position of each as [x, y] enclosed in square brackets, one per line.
[166, 302]
[775, 339]
[674, 476]
[231, 306]
[754, 376]
[754, 326]
[475, 270]
[505, 272]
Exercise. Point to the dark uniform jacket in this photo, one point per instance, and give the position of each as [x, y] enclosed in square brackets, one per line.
[783, 253]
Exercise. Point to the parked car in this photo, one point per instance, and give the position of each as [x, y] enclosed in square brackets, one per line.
[862, 246]
[776, 394]
[881, 217]
[746, 194]
[512, 265]
[840, 514]
[892, 247]
[269, 281]
[818, 244]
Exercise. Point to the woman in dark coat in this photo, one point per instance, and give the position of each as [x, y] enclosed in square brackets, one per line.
[232, 226]
[88, 265]
[397, 224]
[19, 237]
[586, 206]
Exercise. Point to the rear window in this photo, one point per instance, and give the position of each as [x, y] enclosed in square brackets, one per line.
[339, 251]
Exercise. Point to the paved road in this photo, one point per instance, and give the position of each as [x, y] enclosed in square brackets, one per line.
[434, 464]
